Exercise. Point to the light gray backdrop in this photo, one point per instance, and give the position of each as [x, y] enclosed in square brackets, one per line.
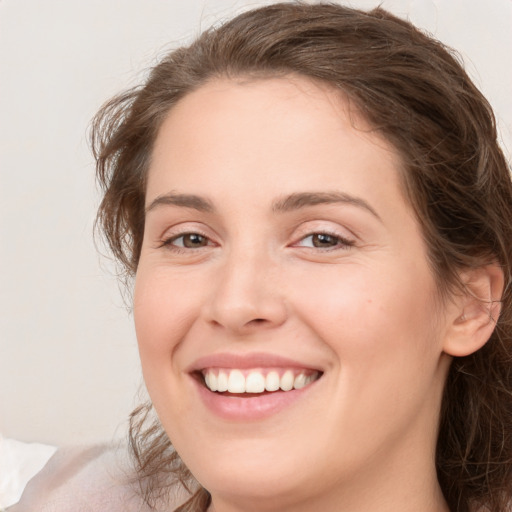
[68, 362]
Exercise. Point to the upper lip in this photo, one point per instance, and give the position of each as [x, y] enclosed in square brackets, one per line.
[246, 361]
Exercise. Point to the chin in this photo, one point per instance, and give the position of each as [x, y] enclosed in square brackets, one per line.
[262, 483]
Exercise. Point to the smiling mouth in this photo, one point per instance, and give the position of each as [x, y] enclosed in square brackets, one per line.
[247, 382]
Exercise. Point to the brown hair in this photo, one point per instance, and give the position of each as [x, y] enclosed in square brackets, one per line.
[415, 92]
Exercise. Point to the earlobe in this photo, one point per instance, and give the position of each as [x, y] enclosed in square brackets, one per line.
[475, 310]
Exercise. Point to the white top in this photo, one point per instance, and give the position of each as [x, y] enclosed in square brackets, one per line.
[19, 462]
[90, 479]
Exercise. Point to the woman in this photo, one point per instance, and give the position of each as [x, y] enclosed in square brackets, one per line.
[316, 212]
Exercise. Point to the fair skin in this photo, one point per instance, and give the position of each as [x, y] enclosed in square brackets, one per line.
[277, 239]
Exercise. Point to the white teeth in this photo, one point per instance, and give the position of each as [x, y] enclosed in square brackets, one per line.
[213, 382]
[222, 382]
[234, 381]
[255, 383]
[300, 381]
[272, 381]
[287, 381]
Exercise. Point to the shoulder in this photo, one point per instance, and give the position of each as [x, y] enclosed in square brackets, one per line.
[84, 479]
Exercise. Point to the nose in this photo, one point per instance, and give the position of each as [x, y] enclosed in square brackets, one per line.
[246, 295]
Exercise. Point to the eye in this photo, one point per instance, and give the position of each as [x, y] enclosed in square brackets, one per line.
[324, 241]
[187, 241]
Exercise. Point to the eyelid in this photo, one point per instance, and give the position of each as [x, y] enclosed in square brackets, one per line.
[343, 243]
[322, 227]
[182, 229]
[170, 240]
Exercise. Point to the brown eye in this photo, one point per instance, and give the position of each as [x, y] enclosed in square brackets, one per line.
[325, 241]
[321, 240]
[188, 241]
[194, 240]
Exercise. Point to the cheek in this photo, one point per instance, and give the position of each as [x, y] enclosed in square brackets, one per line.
[372, 314]
[164, 309]
[382, 332]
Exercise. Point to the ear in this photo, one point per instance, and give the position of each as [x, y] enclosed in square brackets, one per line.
[475, 311]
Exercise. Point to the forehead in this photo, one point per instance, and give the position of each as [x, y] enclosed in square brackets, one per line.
[277, 131]
[294, 98]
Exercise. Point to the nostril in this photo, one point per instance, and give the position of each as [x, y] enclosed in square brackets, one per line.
[256, 322]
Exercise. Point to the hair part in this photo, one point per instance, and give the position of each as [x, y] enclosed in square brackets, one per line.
[415, 93]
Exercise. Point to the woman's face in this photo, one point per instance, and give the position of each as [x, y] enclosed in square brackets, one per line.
[278, 252]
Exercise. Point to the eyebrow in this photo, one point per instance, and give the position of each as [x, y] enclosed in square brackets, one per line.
[304, 199]
[289, 203]
[184, 200]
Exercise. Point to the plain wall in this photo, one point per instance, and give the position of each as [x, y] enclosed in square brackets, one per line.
[69, 371]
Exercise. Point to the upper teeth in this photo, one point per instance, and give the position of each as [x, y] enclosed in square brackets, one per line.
[255, 381]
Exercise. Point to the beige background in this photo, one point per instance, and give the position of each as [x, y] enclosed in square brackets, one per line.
[68, 363]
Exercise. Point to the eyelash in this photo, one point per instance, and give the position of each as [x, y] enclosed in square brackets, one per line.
[342, 243]
[169, 242]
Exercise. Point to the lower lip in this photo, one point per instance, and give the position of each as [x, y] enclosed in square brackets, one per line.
[251, 408]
